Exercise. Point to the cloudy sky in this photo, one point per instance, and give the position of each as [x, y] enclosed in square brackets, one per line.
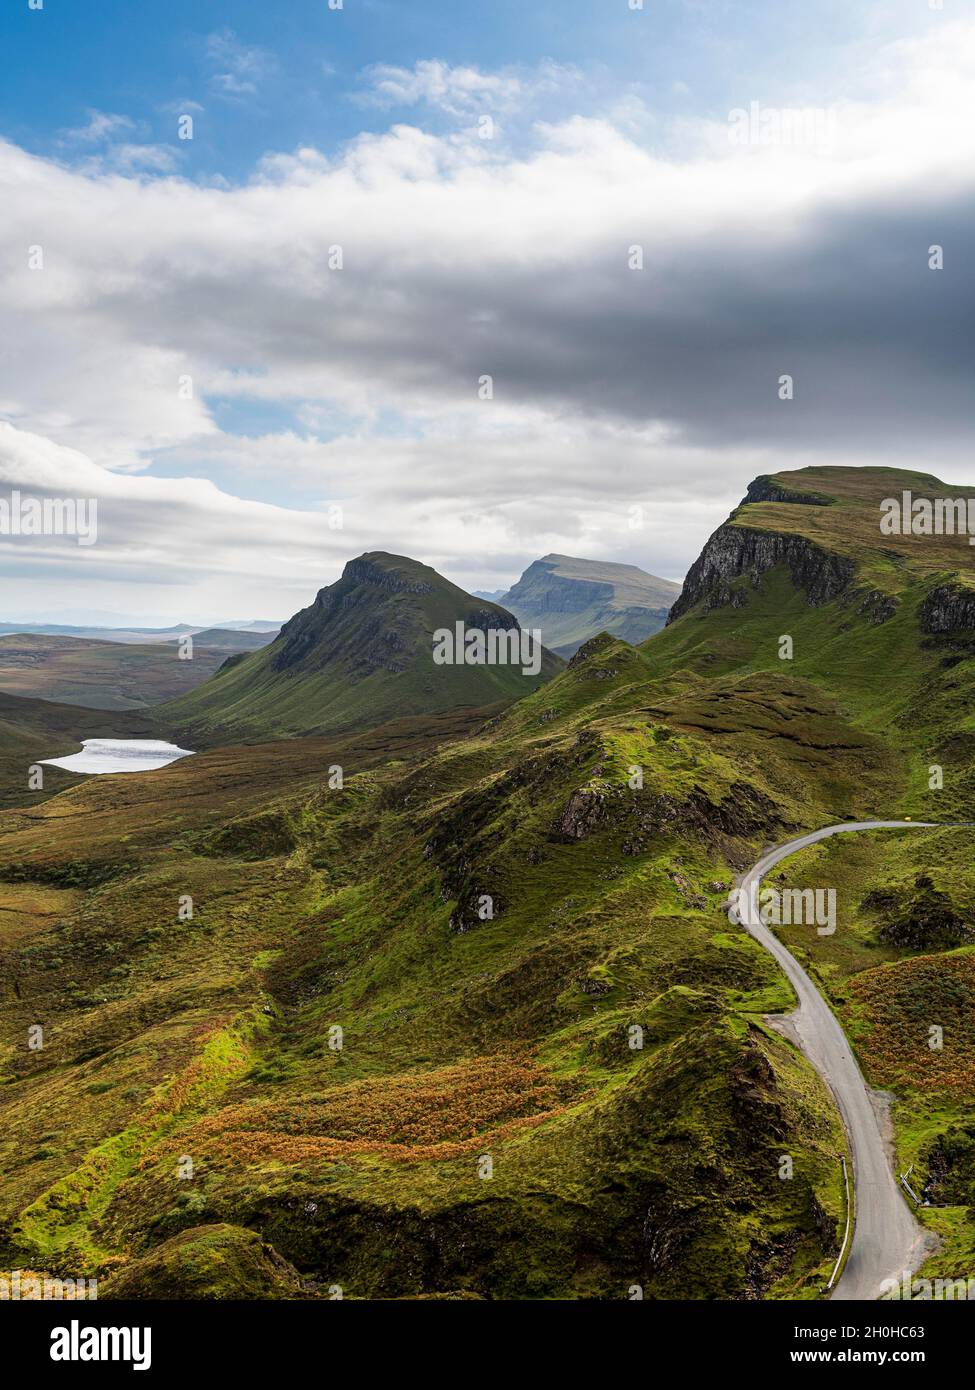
[632, 221]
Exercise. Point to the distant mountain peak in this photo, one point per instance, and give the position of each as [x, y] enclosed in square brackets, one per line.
[572, 599]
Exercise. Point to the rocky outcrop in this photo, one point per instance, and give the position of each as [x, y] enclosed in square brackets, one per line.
[363, 571]
[922, 920]
[483, 619]
[871, 604]
[646, 815]
[477, 906]
[734, 552]
[948, 608]
[764, 489]
[587, 810]
[590, 649]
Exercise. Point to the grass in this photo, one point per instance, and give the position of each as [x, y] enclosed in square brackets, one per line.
[360, 655]
[598, 1035]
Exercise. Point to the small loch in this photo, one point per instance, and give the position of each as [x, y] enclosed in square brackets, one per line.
[100, 755]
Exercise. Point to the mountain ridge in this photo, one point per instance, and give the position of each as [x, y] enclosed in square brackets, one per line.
[361, 651]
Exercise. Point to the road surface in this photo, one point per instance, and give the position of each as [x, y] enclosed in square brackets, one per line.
[886, 1238]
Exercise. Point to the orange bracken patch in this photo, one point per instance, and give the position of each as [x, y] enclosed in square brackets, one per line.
[410, 1117]
[899, 1009]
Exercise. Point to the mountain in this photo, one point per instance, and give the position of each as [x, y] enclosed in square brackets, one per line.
[520, 928]
[571, 600]
[142, 636]
[250, 625]
[362, 653]
[230, 639]
[492, 595]
[148, 635]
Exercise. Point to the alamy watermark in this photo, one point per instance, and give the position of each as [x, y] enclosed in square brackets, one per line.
[493, 646]
[812, 126]
[23, 515]
[23, 1286]
[908, 515]
[915, 1290]
[78, 1343]
[785, 907]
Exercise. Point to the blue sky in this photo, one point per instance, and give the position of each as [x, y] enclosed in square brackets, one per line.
[292, 73]
[468, 251]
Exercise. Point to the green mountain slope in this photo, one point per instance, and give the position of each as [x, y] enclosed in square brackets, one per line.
[571, 600]
[362, 653]
[518, 929]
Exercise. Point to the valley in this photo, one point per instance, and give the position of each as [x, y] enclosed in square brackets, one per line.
[111, 675]
[459, 1011]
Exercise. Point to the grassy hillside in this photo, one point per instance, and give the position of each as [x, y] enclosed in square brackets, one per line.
[462, 1036]
[518, 925]
[360, 655]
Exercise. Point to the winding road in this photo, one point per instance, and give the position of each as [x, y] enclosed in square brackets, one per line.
[886, 1238]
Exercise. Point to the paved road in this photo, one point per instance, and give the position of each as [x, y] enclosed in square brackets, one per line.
[886, 1238]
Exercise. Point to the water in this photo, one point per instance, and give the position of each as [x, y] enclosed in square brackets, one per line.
[100, 755]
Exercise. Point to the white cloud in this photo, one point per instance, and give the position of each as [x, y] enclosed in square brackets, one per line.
[456, 90]
[612, 387]
[101, 125]
[238, 68]
[166, 537]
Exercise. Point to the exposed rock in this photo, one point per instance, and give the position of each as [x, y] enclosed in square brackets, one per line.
[871, 604]
[826, 1227]
[763, 489]
[696, 900]
[587, 810]
[482, 619]
[363, 571]
[468, 913]
[665, 1230]
[590, 648]
[596, 988]
[645, 815]
[924, 920]
[947, 608]
[951, 1168]
[734, 552]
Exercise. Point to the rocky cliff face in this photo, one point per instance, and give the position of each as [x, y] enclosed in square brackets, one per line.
[361, 584]
[948, 608]
[763, 489]
[483, 619]
[365, 571]
[736, 551]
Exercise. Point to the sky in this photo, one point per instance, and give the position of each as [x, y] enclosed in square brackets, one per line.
[283, 283]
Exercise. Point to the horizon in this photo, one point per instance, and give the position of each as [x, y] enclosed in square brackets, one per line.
[124, 621]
